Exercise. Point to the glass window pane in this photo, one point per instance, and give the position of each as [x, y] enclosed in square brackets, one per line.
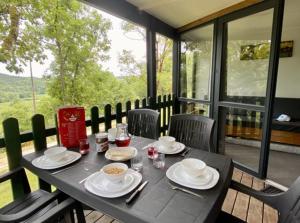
[196, 62]
[194, 108]
[241, 135]
[247, 58]
[164, 63]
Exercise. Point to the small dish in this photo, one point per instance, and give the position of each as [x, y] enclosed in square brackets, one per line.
[55, 153]
[121, 153]
[167, 141]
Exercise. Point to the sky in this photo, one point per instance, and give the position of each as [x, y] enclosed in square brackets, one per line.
[118, 42]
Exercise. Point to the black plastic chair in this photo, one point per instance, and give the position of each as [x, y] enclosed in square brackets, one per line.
[37, 206]
[286, 203]
[192, 130]
[144, 122]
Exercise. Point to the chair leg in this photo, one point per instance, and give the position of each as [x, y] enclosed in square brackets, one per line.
[79, 213]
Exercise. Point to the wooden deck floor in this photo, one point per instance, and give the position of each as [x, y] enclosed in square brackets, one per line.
[240, 205]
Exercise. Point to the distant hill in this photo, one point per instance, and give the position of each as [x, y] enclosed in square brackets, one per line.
[17, 87]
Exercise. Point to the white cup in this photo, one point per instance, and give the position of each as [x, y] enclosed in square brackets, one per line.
[55, 153]
[193, 167]
[167, 141]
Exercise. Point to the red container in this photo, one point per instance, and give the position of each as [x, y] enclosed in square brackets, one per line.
[71, 125]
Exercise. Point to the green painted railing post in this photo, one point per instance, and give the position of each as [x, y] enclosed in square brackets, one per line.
[56, 126]
[107, 116]
[11, 133]
[164, 114]
[128, 108]
[144, 103]
[40, 141]
[137, 104]
[95, 119]
[119, 113]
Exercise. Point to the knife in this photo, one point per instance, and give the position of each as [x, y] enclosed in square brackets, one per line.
[133, 195]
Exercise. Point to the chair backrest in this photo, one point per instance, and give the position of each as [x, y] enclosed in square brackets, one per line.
[288, 204]
[12, 139]
[192, 130]
[144, 122]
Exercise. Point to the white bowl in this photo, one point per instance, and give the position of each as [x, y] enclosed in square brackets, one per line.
[55, 153]
[115, 177]
[193, 167]
[112, 133]
[166, 141]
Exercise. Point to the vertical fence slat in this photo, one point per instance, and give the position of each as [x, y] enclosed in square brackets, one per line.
[164, 113]
[144, 103]
[128, 108]
[119, 113]
[137, 104]
[158, 107]
[12, 139]
[40, 141]
[107, 116]
[57, 132]
[169, 103]
[95, 119]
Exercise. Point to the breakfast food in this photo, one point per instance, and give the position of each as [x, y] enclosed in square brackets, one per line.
[113, 170]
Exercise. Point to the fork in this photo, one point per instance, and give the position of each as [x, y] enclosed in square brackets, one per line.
[185, 190]
[185, 152]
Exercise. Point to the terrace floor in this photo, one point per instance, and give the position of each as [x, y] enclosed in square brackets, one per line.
[283, 167]
[240, 205]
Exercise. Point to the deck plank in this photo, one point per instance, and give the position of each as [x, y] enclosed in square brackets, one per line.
[105, 219]
[93, 217]
[231, 194]
[255, 212]
[242, 200]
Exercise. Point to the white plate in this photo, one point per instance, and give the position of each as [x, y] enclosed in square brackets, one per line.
[97, 189]
[45, 163]
[120, 157]
[175, 174]
[177, 147]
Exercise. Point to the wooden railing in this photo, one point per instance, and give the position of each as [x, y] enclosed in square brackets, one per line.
[163, 104]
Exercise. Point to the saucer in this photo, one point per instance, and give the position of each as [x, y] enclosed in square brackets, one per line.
[100, 182]
[96, 184]
[177, 147]
[176, 174]
[43, 162]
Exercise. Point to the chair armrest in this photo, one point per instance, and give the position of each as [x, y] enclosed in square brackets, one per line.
[57, 211]
[11, 174]
[35, 207]
[270, 199]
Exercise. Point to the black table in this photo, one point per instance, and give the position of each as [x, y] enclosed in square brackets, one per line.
[157, 202]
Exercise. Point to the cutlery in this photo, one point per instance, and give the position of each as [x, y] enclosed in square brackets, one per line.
[83, 180]
[58, 171]
[185, 152]
[140, 188]
[185, 190]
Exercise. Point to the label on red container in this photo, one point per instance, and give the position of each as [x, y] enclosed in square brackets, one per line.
[71, 125]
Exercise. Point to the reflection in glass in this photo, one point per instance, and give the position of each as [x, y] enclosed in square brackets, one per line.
[241, 134]
[247, 58]
[196, 62]
[194, 108]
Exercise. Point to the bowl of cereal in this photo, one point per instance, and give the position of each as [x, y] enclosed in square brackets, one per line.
[115, 172]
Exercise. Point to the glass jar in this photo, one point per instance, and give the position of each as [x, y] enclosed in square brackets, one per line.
[122, 136]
